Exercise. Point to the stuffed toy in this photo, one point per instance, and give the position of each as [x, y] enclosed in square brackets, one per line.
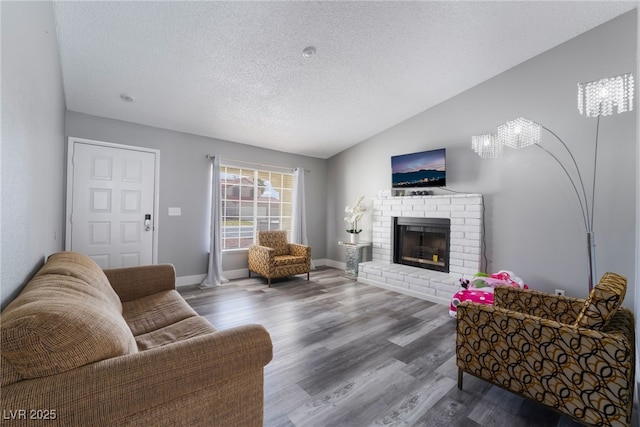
[480, 288]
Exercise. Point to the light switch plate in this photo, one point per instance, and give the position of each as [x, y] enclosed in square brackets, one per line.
[175, 211]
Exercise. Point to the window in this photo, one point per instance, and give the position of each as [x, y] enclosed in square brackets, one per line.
[253, 200]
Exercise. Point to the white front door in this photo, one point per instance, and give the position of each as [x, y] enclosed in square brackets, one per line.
[112, 203]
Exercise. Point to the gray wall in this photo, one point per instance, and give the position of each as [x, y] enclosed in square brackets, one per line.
[533, 221]
[184, 176]
[32, 143]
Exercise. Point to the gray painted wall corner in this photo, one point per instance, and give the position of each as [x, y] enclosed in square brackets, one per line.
[32, 222]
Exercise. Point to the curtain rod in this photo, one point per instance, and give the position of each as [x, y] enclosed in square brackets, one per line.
[210, 157]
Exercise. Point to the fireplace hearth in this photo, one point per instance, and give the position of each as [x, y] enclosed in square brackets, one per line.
[422, 242]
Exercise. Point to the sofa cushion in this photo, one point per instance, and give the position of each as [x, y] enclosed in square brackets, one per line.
[179, 331]
[155, 311]
[603, 302]
[276, 240]
[84, 268]
[58, 323]
[281, 260]
[8, 373]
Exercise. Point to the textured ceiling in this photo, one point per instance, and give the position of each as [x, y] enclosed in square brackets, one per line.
[235, 70]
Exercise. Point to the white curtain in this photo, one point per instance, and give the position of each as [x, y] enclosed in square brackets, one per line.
[214, 274]
[298, 214]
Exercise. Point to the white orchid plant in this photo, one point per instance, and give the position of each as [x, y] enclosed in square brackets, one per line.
[354, 214]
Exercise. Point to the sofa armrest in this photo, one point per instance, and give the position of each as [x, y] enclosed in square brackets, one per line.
[540, 304]
[260, 259]
[110, 391]
[297, 249]
[135, 282]
[262, 251]
[622, 324]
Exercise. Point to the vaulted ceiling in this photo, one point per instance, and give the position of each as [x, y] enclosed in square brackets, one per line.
[238, 71]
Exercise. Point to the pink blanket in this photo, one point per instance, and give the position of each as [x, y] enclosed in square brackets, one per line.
[480, 289]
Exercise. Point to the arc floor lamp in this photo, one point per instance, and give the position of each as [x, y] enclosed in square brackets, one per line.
[595, 99]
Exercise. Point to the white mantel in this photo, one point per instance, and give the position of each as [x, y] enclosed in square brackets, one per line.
[465, 250]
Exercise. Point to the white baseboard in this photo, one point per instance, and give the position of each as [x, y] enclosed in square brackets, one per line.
[241, 273]
[319, 262]
[335, 264]
[235, 274]
[190, 280]
[198, 278]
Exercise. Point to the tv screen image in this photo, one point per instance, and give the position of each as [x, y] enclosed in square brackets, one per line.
[422, 169]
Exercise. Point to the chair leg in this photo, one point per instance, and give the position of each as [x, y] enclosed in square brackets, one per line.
[460, 378]
[249, 273]
[269, 281]
[307, 276]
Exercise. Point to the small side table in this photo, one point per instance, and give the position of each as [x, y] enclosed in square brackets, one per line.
[355, 254]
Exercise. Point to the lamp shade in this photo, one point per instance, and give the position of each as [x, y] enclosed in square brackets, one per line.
[601, 97]
[486, 146]
[519, 133]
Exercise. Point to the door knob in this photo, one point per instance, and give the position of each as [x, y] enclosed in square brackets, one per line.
[147, 222]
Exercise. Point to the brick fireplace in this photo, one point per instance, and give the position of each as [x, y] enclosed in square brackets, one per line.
[464, 212]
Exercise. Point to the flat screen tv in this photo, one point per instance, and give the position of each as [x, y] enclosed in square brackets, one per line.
[423, 169]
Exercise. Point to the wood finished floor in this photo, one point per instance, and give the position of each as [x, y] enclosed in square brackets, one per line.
[349, 354]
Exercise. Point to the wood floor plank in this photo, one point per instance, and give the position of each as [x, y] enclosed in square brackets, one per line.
[409, 335]
[417, 402]
[453, 410]
[327, 407]
[283, 400]
[353, 355]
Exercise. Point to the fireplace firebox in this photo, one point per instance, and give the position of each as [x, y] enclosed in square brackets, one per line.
[422, 242]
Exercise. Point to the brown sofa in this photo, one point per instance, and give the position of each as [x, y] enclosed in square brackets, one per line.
[86, 347]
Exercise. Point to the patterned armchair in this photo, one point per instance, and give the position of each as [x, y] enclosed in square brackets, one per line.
[575, 356]
[273, 257]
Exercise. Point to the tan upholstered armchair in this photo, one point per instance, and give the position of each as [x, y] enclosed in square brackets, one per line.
[572, 355]
[273, 257]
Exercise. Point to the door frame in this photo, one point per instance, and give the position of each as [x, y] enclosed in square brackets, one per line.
[71, 141]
